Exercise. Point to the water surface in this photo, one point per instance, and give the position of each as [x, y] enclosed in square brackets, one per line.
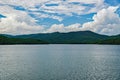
[60, 62]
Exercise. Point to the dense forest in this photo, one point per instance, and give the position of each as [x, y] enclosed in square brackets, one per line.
[7, 40]
[111, 40]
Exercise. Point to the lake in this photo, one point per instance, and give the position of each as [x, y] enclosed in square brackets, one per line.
[59, 62]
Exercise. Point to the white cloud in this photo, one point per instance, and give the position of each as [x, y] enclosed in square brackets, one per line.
[106, 21]
[64, 7]
[41, 15]
[62, 28]
[17, 22]
[25, 3]
[88, 1]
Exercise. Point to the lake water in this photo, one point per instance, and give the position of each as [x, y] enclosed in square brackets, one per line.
[60, 62]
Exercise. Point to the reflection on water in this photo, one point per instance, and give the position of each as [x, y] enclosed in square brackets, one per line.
[60, 62]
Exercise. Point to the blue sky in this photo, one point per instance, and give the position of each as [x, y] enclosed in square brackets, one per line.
[46, 16]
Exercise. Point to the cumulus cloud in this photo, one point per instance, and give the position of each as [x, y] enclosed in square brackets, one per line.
[106, 21]
[62, 28]
[17, 22]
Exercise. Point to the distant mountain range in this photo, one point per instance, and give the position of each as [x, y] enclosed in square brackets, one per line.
[80, 37]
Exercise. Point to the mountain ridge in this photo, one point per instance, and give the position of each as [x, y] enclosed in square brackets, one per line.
[70, 37]
[78, 37]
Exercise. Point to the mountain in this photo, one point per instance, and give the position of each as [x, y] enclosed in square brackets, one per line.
[80, 37]
[7, 40]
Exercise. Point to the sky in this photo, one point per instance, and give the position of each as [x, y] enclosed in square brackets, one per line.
[46, 16]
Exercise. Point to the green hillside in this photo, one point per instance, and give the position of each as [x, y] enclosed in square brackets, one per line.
[111, 40]
[6, 40]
